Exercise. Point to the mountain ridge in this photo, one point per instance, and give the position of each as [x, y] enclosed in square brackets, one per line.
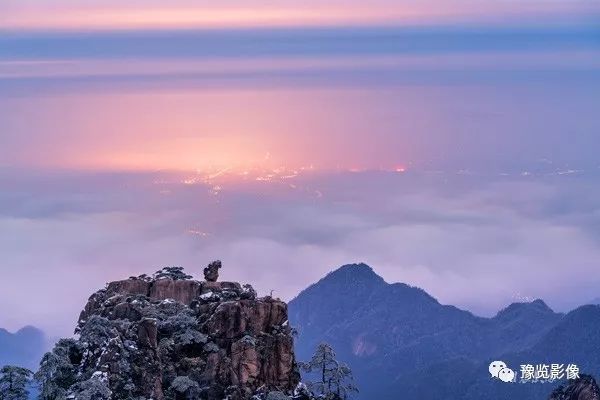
[23, 347]
[387, 331]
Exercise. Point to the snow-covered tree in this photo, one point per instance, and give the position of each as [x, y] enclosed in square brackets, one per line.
[56, 373]
[46, 377]
[95, 388]
[301, 392]
[13, 383]
[341, 381]
[97, 332]
[175, 273]
[185, 388]
[334, 379]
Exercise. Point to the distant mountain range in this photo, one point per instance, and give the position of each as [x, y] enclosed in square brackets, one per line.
[402, 343]
[23, 348]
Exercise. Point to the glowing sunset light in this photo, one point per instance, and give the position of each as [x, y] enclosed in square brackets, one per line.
[183, 14]
[163, 18]
[215, 131]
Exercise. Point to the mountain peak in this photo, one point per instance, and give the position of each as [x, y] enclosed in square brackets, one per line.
[350, 280]
[23, 347]
[541, 304]
[358, 272]
[30, 330]
[537, 306]
[26, 331]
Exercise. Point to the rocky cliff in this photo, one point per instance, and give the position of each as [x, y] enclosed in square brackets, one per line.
[172, 337]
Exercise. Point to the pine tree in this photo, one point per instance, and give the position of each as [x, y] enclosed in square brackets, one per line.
[341, 381]
[13, 383]
[56, 373]
[335, 381]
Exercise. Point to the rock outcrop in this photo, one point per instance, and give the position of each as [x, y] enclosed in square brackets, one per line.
[171, 337]
[211, 272]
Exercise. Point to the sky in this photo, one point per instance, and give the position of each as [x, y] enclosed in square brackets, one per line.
[451, 145]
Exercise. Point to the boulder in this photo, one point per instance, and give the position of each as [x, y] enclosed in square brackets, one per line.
[211, 272]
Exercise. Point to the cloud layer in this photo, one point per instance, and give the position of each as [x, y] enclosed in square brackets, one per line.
[475, 241]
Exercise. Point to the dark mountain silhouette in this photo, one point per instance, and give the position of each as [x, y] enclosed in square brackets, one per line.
[521, 325]
[584, 388]
[400, 340]
[23, 348]
[575, 339]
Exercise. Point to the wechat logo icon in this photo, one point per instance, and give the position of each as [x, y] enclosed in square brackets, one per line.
[499, 370]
